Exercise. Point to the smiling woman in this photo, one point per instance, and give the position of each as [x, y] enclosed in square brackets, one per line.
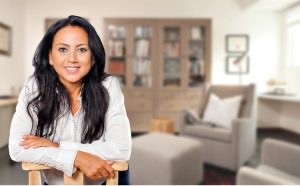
[71, 114]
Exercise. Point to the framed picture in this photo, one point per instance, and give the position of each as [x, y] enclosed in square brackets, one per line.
[49, 22]
[237, 43]
[5, 39]
[237, 67]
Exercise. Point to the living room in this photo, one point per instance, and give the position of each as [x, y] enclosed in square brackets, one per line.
[246, 42]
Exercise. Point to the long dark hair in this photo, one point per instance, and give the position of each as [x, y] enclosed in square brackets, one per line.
[53, 101]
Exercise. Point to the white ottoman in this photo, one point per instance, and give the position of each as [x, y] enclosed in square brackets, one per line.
[165, 159]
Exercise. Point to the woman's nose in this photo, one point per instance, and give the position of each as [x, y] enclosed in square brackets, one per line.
[72, 57]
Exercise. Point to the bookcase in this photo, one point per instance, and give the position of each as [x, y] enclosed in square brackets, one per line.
[162, 65]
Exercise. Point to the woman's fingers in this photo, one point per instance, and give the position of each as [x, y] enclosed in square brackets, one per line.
[93, 166]
[30, 141]
[104, 173]
[110, 170]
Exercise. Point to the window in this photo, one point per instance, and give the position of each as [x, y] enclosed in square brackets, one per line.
[293, 44]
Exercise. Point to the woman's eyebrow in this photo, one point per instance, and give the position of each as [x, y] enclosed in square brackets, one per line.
[69, 45]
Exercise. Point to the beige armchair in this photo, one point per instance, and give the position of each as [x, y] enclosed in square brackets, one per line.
[227, 148]
[280, 165]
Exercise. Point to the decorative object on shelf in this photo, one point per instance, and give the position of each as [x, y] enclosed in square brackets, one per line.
[142, 32]
[196, 33]
[276, 87]
[116, 32]
[172, 69]
[172, 34]
[238, 65]
[5, 39]
[237, 43]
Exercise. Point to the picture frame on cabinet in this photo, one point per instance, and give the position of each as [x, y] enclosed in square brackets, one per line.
[237, 43]
[5, 39]
[242, 67]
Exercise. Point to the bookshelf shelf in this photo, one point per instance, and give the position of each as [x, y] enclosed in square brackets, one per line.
[162, 64]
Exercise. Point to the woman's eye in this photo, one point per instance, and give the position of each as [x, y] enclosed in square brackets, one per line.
[82, 50]
[62, 49]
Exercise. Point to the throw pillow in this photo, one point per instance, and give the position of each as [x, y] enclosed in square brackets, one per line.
[191, 117]
[221, 112]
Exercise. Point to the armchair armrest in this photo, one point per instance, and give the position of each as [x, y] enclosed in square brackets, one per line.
[77, 177]
[281, 155]
[250, 176]
[244, 138]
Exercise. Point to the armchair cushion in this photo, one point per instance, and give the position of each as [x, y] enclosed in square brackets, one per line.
[209, 132]
[222, 111]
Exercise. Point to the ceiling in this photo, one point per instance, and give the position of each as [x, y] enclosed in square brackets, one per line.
[271, 5]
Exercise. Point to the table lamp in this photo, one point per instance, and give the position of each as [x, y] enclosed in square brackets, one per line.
[239, 64]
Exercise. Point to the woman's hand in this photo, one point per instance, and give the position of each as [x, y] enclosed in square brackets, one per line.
[30, 141]
[93, 166]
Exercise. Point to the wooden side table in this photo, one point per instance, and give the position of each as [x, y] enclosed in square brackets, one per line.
[162, 124]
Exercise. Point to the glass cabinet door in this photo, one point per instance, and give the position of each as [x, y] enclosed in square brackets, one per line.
[172, 57]
[196, 58]
[142, 64]
[117, 52]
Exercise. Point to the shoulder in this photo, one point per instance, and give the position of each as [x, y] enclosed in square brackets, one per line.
[30, 86]
[29, 90]
[112, 85]
[111, 82]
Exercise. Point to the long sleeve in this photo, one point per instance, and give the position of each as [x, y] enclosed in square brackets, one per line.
[116, 144]
[61, 159]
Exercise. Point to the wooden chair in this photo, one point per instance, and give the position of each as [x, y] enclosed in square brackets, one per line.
[77, 178]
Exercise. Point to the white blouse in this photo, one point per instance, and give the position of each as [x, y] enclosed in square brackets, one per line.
[115, 143]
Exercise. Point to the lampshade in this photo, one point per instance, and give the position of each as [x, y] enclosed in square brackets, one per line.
[239, 65]
[239, 60]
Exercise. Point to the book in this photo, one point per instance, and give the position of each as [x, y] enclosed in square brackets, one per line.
[117, 67]
[116, 48]
[142, 48]
[172, 49]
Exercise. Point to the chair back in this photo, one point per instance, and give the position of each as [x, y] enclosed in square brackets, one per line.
[34, 174]
[226, 91]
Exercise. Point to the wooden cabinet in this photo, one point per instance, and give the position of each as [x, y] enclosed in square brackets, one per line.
[162, 65]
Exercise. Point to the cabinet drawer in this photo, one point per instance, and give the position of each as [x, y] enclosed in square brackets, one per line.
[171, 105]
[194, 95]
[139, 105]
[140, 94]
[139, 122]
[171, 95]
[176, 101]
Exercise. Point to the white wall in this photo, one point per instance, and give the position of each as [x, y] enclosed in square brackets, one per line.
[12, 67]
[290, 74]
[227, 16]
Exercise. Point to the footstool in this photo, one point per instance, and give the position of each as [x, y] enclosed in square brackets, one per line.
[165, 159]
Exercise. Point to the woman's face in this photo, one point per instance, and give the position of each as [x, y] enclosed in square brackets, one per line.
[70, 55]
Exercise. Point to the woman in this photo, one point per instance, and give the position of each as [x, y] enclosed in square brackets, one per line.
[70, 113]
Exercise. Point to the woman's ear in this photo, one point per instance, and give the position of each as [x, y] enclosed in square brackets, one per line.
[50, 58]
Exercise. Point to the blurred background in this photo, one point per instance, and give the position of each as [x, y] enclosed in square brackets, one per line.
[166, 53]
